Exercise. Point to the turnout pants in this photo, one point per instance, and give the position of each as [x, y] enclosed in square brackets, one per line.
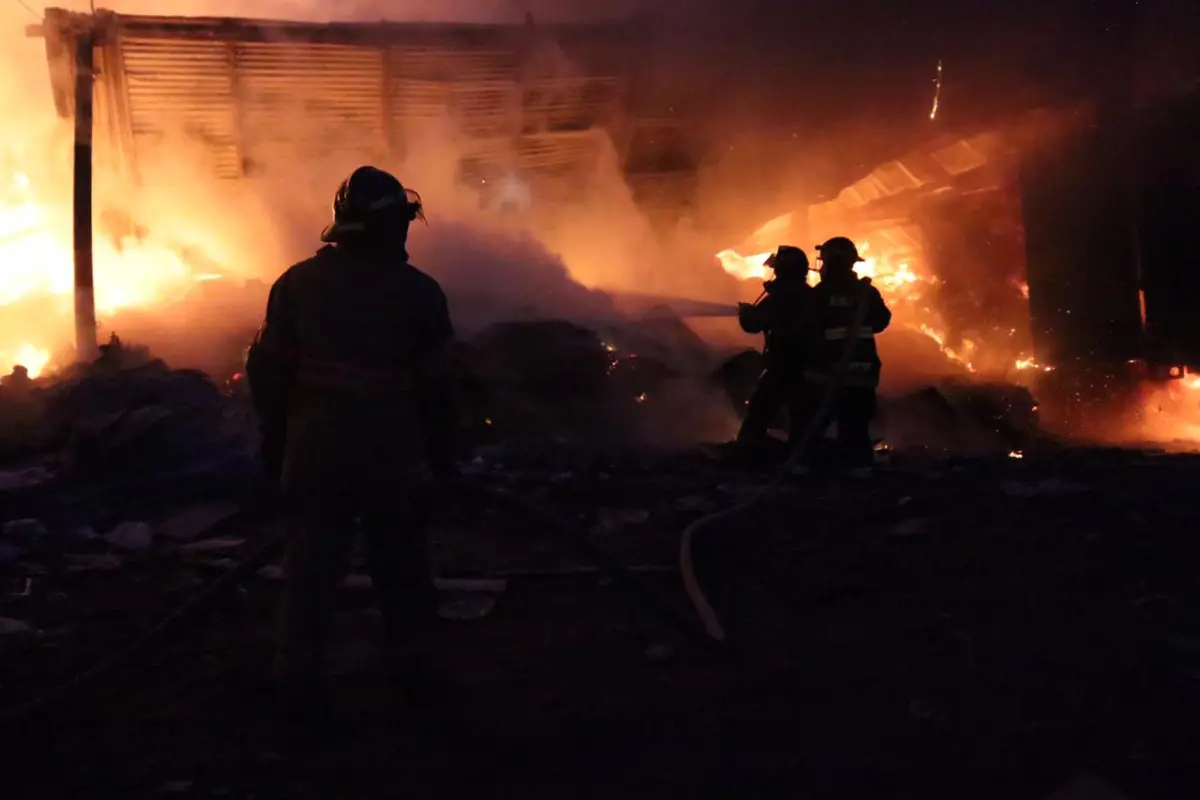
[320, 528]
[852, 409]
[776, 389]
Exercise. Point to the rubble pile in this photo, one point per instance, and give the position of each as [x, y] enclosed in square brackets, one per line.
[124, 439]
[1010, 618]
[558, 380]
[967, 612]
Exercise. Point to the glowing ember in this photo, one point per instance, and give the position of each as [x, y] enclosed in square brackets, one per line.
[937, 93]
[1025, 363]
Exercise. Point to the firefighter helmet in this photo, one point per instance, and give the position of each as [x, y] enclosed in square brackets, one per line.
[371, 200]
[787, 259]
[839, 250]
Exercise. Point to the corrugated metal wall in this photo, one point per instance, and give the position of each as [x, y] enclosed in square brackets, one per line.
[179, 86]
[244, 99]
[547, 101]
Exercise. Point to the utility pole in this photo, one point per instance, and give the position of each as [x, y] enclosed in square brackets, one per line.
[85, 294]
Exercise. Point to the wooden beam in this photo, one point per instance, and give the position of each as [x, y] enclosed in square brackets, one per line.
[85, 293]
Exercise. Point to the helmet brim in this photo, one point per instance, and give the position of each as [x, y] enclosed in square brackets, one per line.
[337, 231]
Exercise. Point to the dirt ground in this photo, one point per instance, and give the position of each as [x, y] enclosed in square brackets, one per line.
[969, 629]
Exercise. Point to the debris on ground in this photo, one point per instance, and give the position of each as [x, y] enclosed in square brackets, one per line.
[970, 625]
[130, 536]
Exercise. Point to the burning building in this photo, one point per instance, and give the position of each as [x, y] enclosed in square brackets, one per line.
[1051, 249]
[515, 123]
[957, 221]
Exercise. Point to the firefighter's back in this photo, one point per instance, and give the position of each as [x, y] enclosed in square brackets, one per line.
[360, 326]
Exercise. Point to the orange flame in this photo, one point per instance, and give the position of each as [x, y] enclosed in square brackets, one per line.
[36, 259]
[901, 285]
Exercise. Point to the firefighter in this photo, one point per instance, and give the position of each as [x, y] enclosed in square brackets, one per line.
[350, 376]
[779, 316]
[835, 304]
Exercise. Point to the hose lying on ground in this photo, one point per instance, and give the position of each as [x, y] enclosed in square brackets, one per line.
[620, 574]
[816, 424]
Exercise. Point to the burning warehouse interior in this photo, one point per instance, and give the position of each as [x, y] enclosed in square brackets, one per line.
[1006, 607]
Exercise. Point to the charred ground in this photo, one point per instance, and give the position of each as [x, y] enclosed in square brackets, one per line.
[985, 627]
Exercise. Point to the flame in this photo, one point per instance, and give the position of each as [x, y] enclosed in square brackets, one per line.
[1168, 414]
[1028, 362]
[901, 285]
[745, 267]
[37, 261]
[32, 358]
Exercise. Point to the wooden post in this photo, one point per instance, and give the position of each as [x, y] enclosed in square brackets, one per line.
[85, 295]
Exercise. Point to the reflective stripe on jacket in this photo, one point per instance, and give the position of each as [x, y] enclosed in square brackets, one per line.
[835, 309]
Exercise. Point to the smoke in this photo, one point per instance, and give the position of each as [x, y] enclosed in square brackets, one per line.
[152, 240]
[755, 77]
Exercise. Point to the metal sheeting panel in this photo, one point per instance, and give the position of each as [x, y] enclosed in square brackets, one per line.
[247, 90]
[312, 97]
[107, 133]
[895, 178]
[959, 157]
[473, 89]
[558, 153]
[182, 87]
[417, 111]
[573, 104]
[453, 65]
[485, 109]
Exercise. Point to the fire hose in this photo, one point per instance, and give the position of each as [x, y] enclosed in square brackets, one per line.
[816, 424]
